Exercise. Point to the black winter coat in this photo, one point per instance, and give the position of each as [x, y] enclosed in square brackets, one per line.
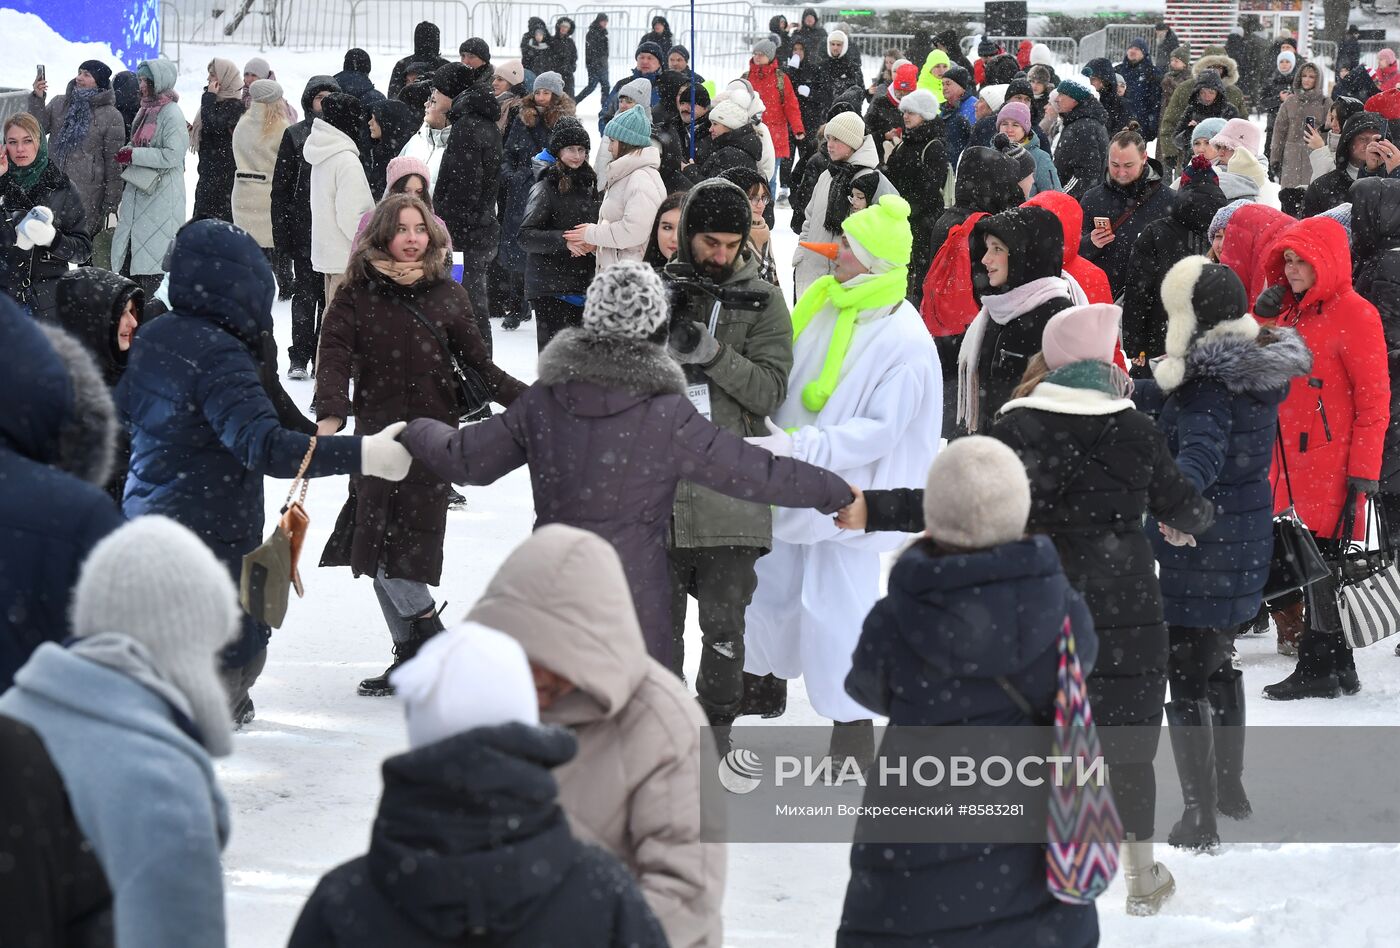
[1151, 199]
[807, 172]
[90, 306]
[468, 182]
[527, 136]
[563, 54]
[929, 655]
[213, 194]
[400, 373]
[840, 75]
[427, 48]
[360, 86]
[1334, 187]
[52, 509]
[494, 862]
[1081, 154]
[1093, 477]
[550, 269]
[882, 116]
[291, 180]
[1220, 425]
[204, 433]
[397, 124]
[1144, 99]
[536, 55]
[1161, 245]
[1197, 112]
[608, 432]
[1375, 241]
[917, 168]
[31, 276]
[738, 148]
[54, 891]
[595, 46]
[1115, 109]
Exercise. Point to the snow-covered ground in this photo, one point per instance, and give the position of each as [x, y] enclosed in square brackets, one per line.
[304, 779]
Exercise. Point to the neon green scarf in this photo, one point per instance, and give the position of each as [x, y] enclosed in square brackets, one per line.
[887, 289]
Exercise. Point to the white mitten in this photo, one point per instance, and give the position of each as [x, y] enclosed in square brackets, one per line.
[38, 227]
[381, 455]
[804, 91]
[777, 442]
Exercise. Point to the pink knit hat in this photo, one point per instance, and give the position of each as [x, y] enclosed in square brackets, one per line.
[1080, 334]
[1240, 133]
[1018, 112]
[403, 166]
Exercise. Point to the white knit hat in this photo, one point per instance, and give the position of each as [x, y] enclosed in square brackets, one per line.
[977, 495]
[154, 581]
[848, 128]
[729, 113]
[921, 102]
[467, 677]
[994, 96]
[627, 299]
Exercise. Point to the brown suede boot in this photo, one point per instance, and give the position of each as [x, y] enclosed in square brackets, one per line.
[1289, 625]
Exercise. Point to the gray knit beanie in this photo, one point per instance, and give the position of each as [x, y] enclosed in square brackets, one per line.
[627, 299]
[156, 583]
[549, 82]
[1221, 220]
[977, 496]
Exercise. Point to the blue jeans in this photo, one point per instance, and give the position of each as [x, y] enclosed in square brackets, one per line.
[596, 79]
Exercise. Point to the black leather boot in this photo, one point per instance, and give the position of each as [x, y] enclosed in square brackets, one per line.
[1227, 718]
[764, 695]
[420, 629]
[1193, 746]
[1347, 679]
[852, 740]
[1315, 675]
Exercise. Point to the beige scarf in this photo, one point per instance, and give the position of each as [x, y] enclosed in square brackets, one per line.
[404, 274]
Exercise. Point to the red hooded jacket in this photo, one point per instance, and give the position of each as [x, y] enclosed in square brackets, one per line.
[1248, 238]
[781, 110]
[1092, 280]
[1333, 421]
[1023, 54]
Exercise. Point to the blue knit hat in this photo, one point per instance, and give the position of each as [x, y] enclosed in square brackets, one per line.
[632, 127]
[1342, 215]
[1222, 218]
[1208, 129]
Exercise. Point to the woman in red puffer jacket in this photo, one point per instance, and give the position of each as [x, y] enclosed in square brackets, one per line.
[781, 108]
[1332, 426]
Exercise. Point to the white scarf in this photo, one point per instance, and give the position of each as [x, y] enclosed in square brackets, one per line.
[1000, 308]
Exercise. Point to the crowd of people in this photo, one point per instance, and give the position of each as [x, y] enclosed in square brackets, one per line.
[1043, 318]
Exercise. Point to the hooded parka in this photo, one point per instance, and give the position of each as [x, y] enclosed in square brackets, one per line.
[153, 201]
[91, 165]
[1289, 153]
[1081, 154]
[1375, 244]
[427, 48]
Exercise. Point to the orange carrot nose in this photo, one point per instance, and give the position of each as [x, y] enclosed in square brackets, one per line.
[829, 251]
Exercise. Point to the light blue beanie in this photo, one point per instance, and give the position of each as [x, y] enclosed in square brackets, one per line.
[1222, 217]
[1207, 129]
[632, 127]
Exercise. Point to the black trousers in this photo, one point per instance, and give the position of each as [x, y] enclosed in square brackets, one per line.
[474, 282]
[1197, 656]
[722, 580]
[1322, 650]
[308, 303]
[507, 290]
[553, 316]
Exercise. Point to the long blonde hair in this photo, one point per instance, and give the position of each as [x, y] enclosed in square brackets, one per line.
[373, 244]
[1035, 373]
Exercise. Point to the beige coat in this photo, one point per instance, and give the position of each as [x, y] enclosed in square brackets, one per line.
[628, 211]
[255, 155]
[634, 787]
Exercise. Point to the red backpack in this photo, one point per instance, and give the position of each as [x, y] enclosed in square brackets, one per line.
[948, 307]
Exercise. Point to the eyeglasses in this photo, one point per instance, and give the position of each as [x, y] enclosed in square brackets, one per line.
[760, 201]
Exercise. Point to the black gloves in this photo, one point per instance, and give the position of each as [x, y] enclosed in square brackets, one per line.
[1270, 302]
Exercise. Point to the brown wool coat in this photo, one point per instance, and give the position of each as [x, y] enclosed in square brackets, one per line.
[400, 374]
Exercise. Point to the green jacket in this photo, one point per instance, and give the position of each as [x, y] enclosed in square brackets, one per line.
[748, 381]
[1175, 107]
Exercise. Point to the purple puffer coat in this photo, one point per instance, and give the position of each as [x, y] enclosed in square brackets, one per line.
[608, 431]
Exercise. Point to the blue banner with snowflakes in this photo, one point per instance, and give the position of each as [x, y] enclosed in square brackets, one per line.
[130, 27]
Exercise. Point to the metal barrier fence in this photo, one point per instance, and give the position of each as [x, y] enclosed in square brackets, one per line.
[875, 44]
[1118, 37]
[170, 39]
[1063, 48]
[1326, 49]
[388, 24]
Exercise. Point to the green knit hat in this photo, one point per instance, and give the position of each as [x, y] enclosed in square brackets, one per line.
[632, 127]
[881, 232]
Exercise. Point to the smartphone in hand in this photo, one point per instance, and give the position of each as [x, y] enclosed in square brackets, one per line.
[41, 74]
[1102, 223]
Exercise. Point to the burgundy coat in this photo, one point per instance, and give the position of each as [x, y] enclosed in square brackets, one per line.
[608, 431]
[400, 373]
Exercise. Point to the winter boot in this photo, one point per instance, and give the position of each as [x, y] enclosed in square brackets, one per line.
[764, 695]
[1227, 718]
[420, 629]
[1193, 746]
[1149, 882]
[1315, 676]
[1289, 623]
[721, 727]
[852, 740]
[243, 714]
[1258, 625]
[1347, 678]
[455, 501]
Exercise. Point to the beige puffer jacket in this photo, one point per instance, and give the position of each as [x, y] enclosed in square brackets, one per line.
[628, 211]
[634, 787]
[255, 154]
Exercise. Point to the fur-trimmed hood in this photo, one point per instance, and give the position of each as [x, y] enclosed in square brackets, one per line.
[1229, 69]
[1264, 363]
[559, 107]
[633, 368]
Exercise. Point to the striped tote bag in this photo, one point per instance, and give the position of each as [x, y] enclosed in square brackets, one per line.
[1371, 607]
[1084, 829]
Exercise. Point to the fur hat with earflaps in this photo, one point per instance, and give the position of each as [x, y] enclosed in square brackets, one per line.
[1203, 301]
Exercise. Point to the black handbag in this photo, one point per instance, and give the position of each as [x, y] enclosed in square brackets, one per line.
[1356, 561]
[1296, 561]
[473, 393]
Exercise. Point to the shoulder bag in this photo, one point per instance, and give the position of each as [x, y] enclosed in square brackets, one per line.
[270, 571]
[1296, 562]
[473, 394]
[1369, 580]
